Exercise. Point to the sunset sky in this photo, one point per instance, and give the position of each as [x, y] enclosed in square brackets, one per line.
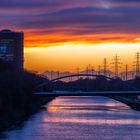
[66, 34]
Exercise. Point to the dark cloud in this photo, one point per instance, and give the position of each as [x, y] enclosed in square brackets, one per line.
[125, 1]
[86, 20]
[75, 17]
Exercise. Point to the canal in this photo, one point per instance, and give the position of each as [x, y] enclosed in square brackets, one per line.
[80, 118]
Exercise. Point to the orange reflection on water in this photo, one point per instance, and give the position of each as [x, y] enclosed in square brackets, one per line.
[72, 110]
[69, 109]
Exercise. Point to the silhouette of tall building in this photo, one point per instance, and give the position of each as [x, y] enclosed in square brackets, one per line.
[11, 48]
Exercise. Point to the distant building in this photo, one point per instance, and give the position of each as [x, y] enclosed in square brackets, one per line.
[11, 48]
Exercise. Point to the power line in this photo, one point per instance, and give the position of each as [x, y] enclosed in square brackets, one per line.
[92, 70]
[126, 72]
[137, 64]
[116, 62]
[105, 67]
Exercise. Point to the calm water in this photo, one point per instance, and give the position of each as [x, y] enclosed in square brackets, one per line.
[81, 118]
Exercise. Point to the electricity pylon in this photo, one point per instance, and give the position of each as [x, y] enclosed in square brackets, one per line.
[116, 63]
[105, 66]
[137, 65]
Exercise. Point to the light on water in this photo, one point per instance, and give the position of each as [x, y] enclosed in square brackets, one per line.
[81, 118]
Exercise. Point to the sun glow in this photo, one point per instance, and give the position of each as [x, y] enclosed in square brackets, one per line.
[69, 56]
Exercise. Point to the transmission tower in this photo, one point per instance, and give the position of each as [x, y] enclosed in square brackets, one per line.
[116, 63]
[137, 65]
[105, 66]
[89, 68]
[92, 70]
[126, 72]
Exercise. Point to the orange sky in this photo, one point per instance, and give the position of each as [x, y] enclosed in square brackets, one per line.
[67, 53]
[63, 35]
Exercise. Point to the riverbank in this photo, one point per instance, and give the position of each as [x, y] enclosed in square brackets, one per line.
[16, 100]
[131, 101]
[80, 118]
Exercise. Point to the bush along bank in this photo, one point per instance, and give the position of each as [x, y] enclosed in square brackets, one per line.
[17, 102]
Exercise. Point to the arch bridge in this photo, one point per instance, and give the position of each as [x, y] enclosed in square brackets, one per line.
[42, 88]
[74, 75]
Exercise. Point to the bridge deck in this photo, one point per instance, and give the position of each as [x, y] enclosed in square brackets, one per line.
[96, 93]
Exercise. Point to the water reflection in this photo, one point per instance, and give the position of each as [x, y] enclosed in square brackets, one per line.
[81, 118]
[91, 107]
[92, 121]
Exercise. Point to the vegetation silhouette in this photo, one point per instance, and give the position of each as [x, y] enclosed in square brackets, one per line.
[17, 102]
[16, 99]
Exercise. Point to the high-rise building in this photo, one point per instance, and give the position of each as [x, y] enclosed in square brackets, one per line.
[11, 48]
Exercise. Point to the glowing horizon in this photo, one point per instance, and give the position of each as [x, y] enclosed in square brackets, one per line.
[55, 30]
[71, 56]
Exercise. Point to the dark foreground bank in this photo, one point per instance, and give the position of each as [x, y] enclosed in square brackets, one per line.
[17, 102]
